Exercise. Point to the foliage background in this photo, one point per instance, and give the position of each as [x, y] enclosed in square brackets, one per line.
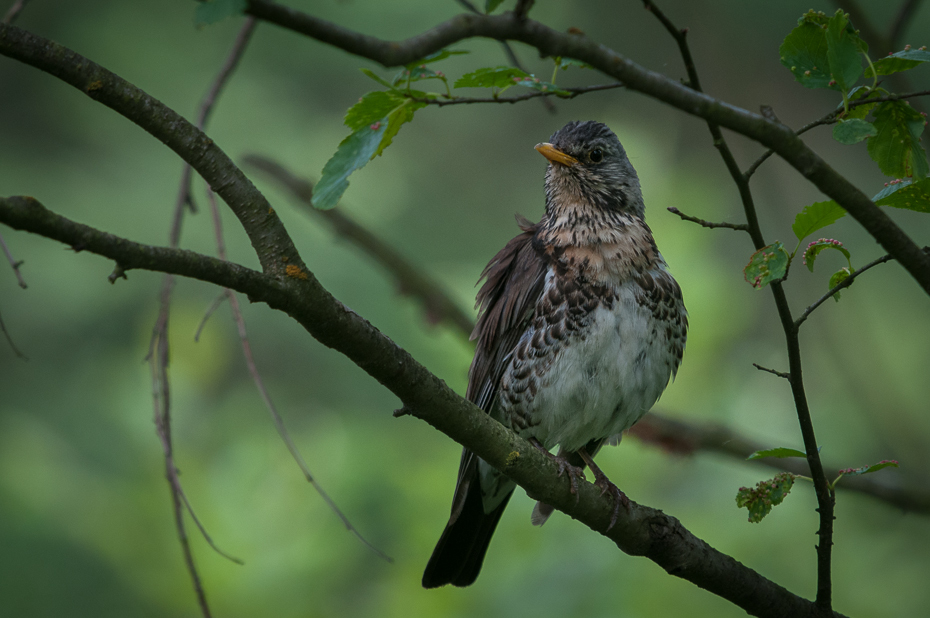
[85, 516]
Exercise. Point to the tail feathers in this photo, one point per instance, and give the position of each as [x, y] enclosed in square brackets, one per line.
[461, 548]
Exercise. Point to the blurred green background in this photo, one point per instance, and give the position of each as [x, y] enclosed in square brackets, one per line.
[85, 515]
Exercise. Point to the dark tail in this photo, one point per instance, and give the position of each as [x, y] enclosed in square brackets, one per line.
[461, 548]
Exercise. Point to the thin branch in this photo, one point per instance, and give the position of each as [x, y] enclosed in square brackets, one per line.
[552, 43]
[742, 227]
[780, 374]
[641, 531]
[511, 55]
[574, 92]
[14, 263]
[683, 438]
[825, 495]
[14, 11]
[9, 340]
[409, 277]
[263, 391]
[845, 283]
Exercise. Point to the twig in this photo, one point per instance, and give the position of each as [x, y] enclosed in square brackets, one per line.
[780, 374]
[9, 340]
[511, 55]
[742, 227]
[410, 278]
[210, 311]
[14, 263]
[260, 385]
[825, 495]
[845, 283]
[13, 13]
[574, 92]
[684, 438]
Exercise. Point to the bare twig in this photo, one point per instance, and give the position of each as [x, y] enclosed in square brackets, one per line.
[14, 263]
[13, 13]
[825, 494]
[210, 311]
[780, 374]
[409, 277]
[9, 340]
[260, 385]
[742, 227]
[574, 92]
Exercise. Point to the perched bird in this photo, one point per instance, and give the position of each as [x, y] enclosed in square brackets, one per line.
[580, 328]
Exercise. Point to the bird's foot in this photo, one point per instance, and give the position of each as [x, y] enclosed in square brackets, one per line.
[606, 485]
[561, 460]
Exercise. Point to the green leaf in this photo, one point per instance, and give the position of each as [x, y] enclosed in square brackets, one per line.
[861, 111]
[815, 247]
[767, 265]
[497, 77]
[804, 53]
[816, 216]
[395, 120]
[896, 147]
[353, 153]
[541, 86]
[780, 453]
[490, 5]
[212, 11]
[442, 54]
[415, 74]
[765, 495]
[907, 195]
[843, 52]
[897, 62]
[564, 63]
[887, 463]
[375, 107]
[853, 131]
[377, 78]
[838, 277]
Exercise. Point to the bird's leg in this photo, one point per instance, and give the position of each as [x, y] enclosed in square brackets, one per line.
[561, 460]
[601, 480]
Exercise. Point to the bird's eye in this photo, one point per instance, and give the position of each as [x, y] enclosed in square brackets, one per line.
[596, 155]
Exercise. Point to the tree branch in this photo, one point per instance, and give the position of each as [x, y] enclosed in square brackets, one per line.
[574, 92]
[552, 43]
[642, 531]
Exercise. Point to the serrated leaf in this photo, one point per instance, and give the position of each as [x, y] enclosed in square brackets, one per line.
[496, 77]
[564, 63]
[907, 195]
[861, 111]
[853, 131]
[408, 76]
[395, 120]
[896, 147]
[837, 278]
[816, 216]
[490, 5]
[541, 86]
[804, 53]
[888, 463]
[767, 265]
[212, 11]
[372, 108]
[760, 499]
[897, 62]
[843, 52]
[780, 453]
[353, 153]
[815, 247]
[442, 54]
[377, 78]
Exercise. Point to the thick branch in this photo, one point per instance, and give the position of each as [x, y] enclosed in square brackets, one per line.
[643, 532]
[552, 43]
[269, 238]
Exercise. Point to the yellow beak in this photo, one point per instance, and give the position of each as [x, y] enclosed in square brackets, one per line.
[555, 155]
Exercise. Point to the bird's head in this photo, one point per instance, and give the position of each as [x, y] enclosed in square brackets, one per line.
[588, 168]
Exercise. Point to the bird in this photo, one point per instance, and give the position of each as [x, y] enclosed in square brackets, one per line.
[580, 328]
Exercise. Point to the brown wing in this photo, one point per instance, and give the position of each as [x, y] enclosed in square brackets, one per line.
[513, 283]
